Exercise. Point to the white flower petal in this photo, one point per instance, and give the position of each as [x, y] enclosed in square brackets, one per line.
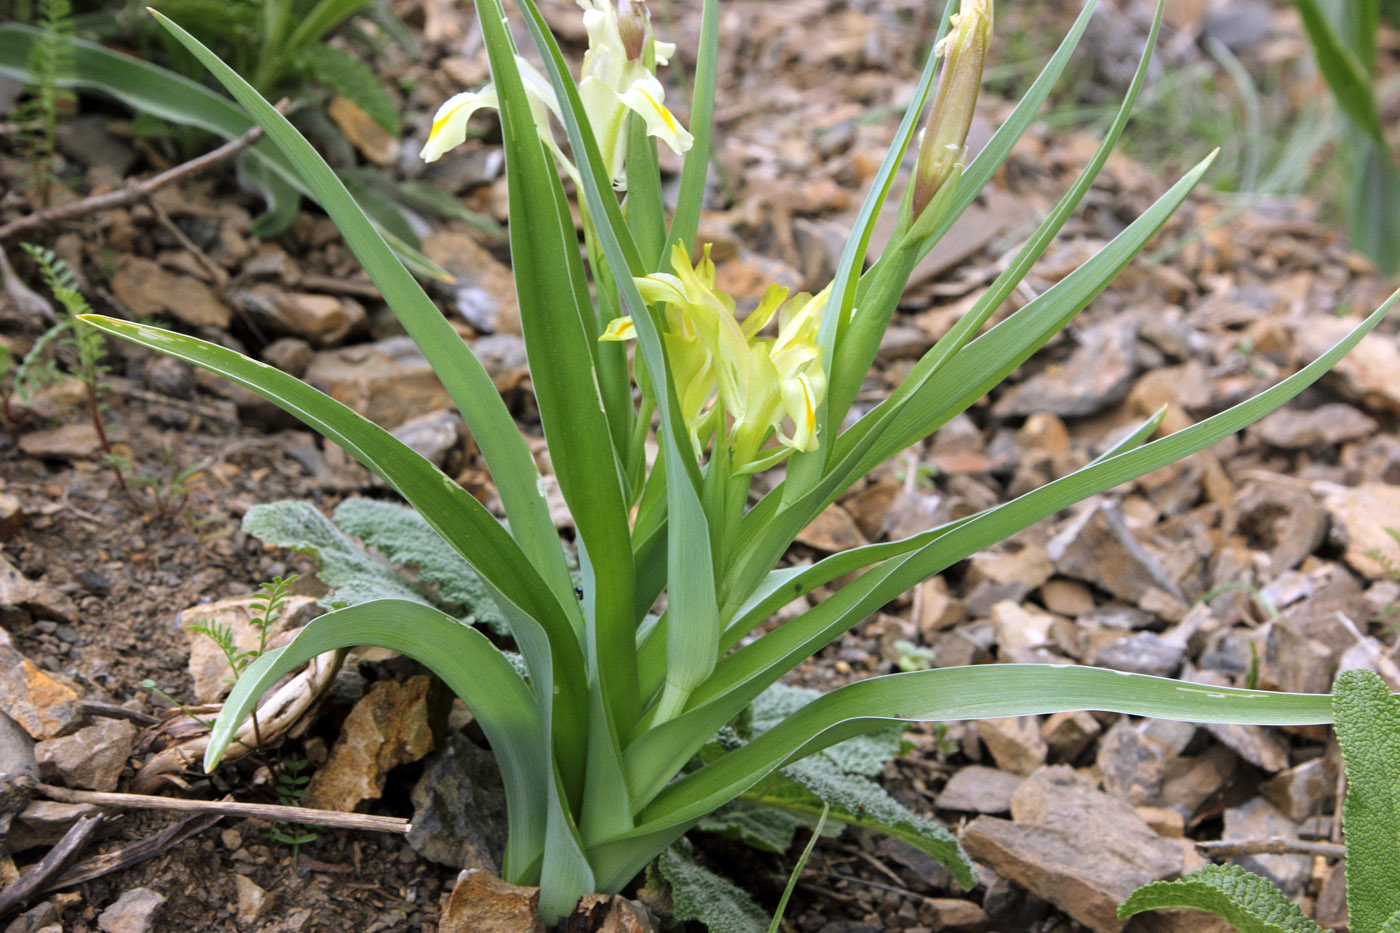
[450, 123]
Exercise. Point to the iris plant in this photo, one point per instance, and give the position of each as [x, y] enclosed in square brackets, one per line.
[604, 731]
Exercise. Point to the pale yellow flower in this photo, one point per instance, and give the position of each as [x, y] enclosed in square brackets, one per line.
[615, 81]
[763, 385]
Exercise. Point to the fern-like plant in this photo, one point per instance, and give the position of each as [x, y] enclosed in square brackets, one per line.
[50, 62]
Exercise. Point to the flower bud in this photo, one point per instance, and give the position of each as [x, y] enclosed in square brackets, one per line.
[633, 27]
[964, 52]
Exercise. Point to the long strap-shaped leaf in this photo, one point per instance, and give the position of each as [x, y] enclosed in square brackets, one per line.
[693, 636]
[938, 695]
[554, 302]
[471, 666]
[770, 526]
[542, 631]
[653, 758]
[466, 380]
[702, 114]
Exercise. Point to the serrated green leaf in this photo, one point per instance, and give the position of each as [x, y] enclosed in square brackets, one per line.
[1247, 902]
[405, 537]
[1368, 730]
[699, 894]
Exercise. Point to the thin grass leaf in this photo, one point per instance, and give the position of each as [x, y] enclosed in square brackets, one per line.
[1343, 71]
[691, 199]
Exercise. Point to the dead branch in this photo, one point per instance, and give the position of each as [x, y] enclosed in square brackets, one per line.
[1276, 845]
[18, 893]
[259, 811]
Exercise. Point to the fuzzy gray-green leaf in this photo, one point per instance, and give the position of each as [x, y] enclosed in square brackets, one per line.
[864, 754]
[699, 894]
[1368, 730]
[1246, 901]
[354, 575]
[404, 537]
[760, 827]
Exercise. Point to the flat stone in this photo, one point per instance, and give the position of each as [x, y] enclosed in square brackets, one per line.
[74, 441]
[1360, 517]
[1366, 374]
[1096, 546]
[16, 751]
[1305, 790]
[1134, 757]
[91, 758]
[1190, 782]
[148, 290]
[1279, 519]
[373, 141]
[208, 667]
[1324, 426]
[433, 435]
[1068, 598]
[1260, 819]
[1014, 742]
[483, 288]
[134, 912]
[459, 808]
[43, 706]
[389, 727]
[292, 355]
[978, 789]
[954, 915]
[1078, 848]
[43, 823]
[832, 531]
[32, 596]
[1022, 632]
[1067, 734]
[483, 903]
[1096, 376]
[252, 900]
[11, 516]
[388, 382]
[1137, 653]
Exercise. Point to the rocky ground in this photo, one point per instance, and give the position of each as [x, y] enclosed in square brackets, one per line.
[1265, 559]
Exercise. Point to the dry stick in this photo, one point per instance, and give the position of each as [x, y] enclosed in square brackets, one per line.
[133, 853]
[18, 893]
[1276, 845]
[134, 191]
[257, 811]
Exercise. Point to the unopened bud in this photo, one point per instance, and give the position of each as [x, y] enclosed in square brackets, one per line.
[964, 52]
[633, 27]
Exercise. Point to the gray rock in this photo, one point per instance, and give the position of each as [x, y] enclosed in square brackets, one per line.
[459, 808]
[134, 912]
[1096, 376]
[1073, 845]
[16, 750]
[1305, 790]
[1095, 546]
[1134, 757]
[1260, 819]
[1324, 426]
[43, 823]
[388, 382]
[432, 435]
[1067, 734]
[1283, 521]
[292, 355]
[1239, 24]
[1015, 742]
[978, 789]
[91, 758]
[1139, 653]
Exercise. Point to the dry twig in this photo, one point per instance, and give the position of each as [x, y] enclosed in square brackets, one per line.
[257, 811]
[1275, 845]
[133, 191]
[18, 894]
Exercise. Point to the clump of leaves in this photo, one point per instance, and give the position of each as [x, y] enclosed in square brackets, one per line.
[1367, 717]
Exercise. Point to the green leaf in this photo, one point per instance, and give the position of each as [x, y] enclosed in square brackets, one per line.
[1247, 902]
[472, 668]
[351, 78]
[405, 537]
[699, 894]
[324, 16]
[1392, 924]
[1343, 71]
[353, 575]
[755, 825]
[466, 380]
[691, 198]
[1368, 730]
